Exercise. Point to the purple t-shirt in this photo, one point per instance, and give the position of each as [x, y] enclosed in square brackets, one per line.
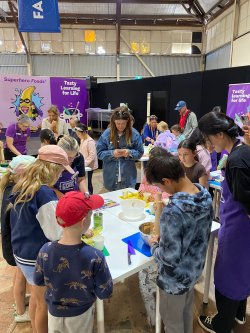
[19, 138]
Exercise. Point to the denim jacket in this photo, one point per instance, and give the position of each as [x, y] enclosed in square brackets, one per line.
[105, 152]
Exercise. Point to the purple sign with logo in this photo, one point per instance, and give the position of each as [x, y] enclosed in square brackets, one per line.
[70, 96]
[238, 102]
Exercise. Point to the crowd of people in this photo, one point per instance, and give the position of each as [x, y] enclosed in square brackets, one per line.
[47, 206]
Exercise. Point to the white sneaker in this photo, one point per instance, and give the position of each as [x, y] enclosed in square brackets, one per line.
[22, 318]
[241, 320]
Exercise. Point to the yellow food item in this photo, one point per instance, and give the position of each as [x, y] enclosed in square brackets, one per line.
[90, 240]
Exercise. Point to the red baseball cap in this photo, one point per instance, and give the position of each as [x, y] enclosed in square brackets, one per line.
[74, 206]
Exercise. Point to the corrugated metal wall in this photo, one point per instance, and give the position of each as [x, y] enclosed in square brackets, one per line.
[219, 58]
[13, 64]
[103, 67]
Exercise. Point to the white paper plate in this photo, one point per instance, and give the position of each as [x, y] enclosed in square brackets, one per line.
[131, 219]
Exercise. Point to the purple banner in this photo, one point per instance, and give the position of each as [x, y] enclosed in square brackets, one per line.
[70, 96]
[238, 102]
[29, 95]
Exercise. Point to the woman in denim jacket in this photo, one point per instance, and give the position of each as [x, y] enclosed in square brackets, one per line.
[119, 147]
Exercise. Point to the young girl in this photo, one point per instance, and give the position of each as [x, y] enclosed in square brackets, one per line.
[47, 137]
[176, 130]
[33, 221]
[16, 168]
[193, 169]
[145, 186]
[88, 150]
[66, 182]
[166, 139]
[232, 266]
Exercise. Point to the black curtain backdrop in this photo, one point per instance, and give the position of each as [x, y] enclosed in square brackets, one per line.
[201, 90]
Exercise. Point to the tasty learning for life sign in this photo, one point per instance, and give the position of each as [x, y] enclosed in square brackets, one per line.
[238, 102]
[38, 16]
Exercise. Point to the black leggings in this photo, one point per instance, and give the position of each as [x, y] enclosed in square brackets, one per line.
[227, 309]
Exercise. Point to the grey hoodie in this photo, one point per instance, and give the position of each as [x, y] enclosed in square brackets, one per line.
[185, 227]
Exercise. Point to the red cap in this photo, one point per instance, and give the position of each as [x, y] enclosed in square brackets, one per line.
[74, 206]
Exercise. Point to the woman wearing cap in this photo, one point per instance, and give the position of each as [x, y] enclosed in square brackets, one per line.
[232, 265]
[15, 169]
[150, 131]
[57, 125]
[17, 136]
[33, 221]
[66, 182]
[88, 150]
[119, 147]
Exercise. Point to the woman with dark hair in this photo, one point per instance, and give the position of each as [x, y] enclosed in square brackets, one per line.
[47, 137]
[119, 147]
[232, 266]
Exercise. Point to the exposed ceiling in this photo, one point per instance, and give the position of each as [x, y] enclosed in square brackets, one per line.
[131, 12]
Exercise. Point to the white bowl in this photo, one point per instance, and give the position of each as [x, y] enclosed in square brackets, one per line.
[133, 208]
[146, 231]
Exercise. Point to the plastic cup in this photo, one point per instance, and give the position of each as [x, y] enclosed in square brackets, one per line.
[98, 242]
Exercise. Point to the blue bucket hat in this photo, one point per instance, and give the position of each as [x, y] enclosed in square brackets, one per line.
[20, 163]
[180, 105]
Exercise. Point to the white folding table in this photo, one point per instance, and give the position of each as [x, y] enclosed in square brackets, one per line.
[114, 229]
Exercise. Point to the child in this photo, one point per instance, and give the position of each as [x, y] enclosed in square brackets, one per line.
[14, 171]
[47, 137]
[192, 168]
[149, 188]
[88, 150]
[74, 273]
[33, 222]
[176, 130]
[166, 139]
[184, 233]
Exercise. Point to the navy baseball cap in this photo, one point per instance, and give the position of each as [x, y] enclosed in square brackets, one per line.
[180, 105]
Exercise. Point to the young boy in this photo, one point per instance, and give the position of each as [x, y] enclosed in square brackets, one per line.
[74, 273]
[184, 232]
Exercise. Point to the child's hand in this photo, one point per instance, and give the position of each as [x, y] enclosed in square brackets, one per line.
[153, 240]
[89, 233]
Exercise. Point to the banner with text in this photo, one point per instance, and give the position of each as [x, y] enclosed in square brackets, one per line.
[70, 96]
[38, 16]
[33, 95]
[238, 102]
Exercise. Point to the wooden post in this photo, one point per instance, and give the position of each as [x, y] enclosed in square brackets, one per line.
[158, 212]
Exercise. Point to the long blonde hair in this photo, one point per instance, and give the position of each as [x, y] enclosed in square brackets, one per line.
[120, 113]
[6, 179]
[38, 174]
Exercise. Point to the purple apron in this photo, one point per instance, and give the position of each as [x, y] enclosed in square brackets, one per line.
[65, 182]
[232, 266]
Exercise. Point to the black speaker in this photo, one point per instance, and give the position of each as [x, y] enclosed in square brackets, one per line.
[91, 82]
